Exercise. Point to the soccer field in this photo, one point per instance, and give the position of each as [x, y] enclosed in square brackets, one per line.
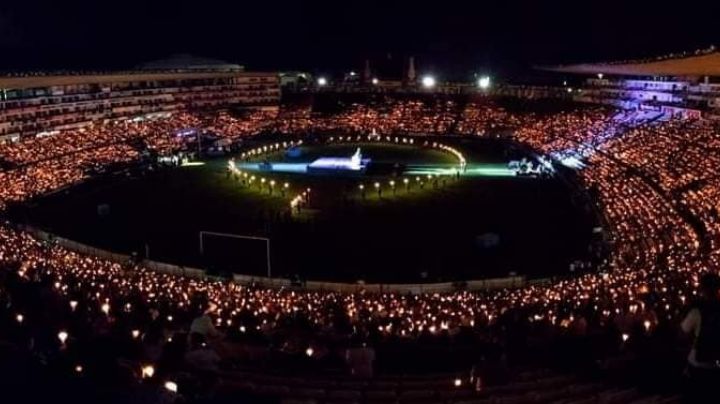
[433, 232]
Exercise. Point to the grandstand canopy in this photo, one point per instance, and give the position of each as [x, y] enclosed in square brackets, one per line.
[707, 64]
[189, 62]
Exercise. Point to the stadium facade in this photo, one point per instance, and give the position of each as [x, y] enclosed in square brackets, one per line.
[34, 105]
[678, 85]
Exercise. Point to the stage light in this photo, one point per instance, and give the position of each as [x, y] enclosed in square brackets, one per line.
[375, 81]
[19, 318]
[457, 382]
[428, 81]
[600, 76]
[353, 74]
[322, 81]
[62, 336]
[309, 351]
[484, 82]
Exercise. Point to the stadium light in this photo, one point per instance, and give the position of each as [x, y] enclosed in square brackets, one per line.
[484, 82]
[428, 81]
[322, 81]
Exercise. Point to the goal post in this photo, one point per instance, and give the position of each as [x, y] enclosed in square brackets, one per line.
[204, 233]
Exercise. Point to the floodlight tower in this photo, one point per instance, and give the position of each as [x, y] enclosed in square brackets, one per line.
[411, 76]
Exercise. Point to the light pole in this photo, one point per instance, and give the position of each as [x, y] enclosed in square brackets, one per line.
[407, 183]
[362, 190]
[379, 191]
[392, 185]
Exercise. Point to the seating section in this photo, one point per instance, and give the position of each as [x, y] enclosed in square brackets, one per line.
[527, 388]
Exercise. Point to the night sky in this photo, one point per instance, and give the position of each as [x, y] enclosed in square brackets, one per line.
[450, 38]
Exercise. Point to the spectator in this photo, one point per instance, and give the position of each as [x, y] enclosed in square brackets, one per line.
[703, 324]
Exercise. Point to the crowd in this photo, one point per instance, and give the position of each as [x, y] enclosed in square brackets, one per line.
[653, 182]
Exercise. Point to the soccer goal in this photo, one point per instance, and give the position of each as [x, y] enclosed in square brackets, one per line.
[226, 250]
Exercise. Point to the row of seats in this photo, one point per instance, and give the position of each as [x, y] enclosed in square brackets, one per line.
[526, 388]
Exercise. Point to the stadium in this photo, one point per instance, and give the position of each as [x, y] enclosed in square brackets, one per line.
[190, 231]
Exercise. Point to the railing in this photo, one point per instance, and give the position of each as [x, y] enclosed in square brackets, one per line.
[162, 267]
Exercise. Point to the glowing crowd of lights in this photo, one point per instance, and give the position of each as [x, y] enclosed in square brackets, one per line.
[648, 181]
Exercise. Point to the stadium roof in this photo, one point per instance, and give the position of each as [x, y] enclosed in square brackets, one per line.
[190, 62]
[707, 64]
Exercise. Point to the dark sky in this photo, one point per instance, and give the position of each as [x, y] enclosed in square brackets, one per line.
[448, 37]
